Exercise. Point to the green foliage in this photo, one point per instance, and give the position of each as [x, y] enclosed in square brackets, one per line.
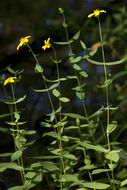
[83, 150]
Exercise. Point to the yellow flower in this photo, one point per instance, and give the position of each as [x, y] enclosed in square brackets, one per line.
[47, 44]
[96, 13]
[23, 41]
[10, 80]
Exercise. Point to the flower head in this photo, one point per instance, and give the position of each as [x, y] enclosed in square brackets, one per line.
[23, 41]
[61, 10]
[96, 13]
[10, 80]
[47, 44]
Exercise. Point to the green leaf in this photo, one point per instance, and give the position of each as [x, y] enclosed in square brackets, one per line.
[71, 77]
[83, 45]
[60, 79]
[93, 147]
[113, 155]
[107, 63]
[74, 115]
[12, 102]
[83, 74]
[79, 88]
[45, 157]
[30, 175]
[122, 174]
[52, 116]
[16, 155]
[14, 123]
[124, 182]
[45, 124]
[5, 154]
[118, 75]
[77, 67]
[50, 166]
[46, 90]
[36, 165]
[4, 130]
[88, 167]
[71, 177]
[92, 53]
[10, 165]
[97, 171]
[21, 187]
[64, 99]
[69, 156]
[64, 43]
[11, 70]
[76, 60]
[38, 68]
[20, 99]
[4, 115]
[76, 36]
[96, 185]
[51, 134]
[97, 113]
[56, 93]
[31, 132]
[26, 145]
[106, 83]
[111, 127]
[80, 95]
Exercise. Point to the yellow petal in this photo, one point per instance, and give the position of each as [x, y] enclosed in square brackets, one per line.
[102, 11]
[90, 15]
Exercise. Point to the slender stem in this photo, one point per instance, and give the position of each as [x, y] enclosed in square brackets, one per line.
[51, 103]
[67, 36]
[90, 176]
[13, 133]
[60, 127]
[20, 161]
[107, 97]
[58, 76]
[79, 84]
[50, 100]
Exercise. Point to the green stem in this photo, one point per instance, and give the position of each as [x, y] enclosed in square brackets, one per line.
[79, 84]
[60, 127]
[50, 100]
[90, 176]
[51, 103]
[67, 36]
[107, 97]
[20, 161]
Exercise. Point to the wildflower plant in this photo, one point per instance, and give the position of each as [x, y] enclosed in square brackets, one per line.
[78, 155]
